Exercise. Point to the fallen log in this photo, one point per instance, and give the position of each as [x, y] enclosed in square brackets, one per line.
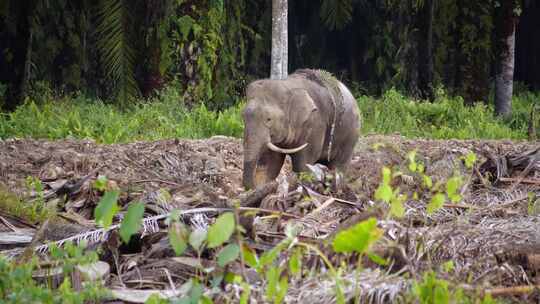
[20, 237]
[254, 198]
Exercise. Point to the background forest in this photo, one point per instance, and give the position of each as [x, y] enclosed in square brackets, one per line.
[207, 51]
[114, 187]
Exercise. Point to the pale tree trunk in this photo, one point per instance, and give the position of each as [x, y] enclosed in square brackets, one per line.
[279, 39]
[506, 40]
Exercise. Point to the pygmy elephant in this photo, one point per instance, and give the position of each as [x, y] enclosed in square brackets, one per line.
[310, 116]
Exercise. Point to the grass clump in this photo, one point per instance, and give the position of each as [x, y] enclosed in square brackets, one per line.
[17, 284]
[80, 117]
[165, 117]
[33, 212]
[445, 118]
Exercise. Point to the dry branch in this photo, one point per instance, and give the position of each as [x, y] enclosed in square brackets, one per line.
[512, 291]
[254, 198]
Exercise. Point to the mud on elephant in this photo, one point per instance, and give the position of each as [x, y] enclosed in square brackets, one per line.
[310, 116]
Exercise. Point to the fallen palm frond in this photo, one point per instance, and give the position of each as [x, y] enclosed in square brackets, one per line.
[149, 225]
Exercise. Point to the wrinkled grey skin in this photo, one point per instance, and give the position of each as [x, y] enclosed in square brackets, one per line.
[289, 113]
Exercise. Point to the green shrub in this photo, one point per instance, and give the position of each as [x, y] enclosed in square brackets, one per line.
[165, 117]
[18, 286]
[446, 117]
[80, 117]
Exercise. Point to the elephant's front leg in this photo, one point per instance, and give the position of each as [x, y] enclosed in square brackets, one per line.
[269, 166]
[299, 161]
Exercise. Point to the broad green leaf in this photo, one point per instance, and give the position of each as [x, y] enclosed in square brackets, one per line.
[340, 296]
[269, 256]
[427, 181]
[397, 208]
[101, 183]
[221, 230]
[132, 221]
[452, 186]
[295, 262]
[357, 238]
[413, 166]
[448, 266]
[250, 257]
[386, 173]
[470, 159]
[153, 299]
[183, 300]
[384, 193]
[282, 291]
[178, 237]
[205, 300]
[437, 202]
[245, 294]
[196, 292]
[455, 198]
[441, 295]
[217, 279]
[228, 254]
[197, 237]
[377, 259]
[272, 278]
[411, 156]
[173, 217]
[106, 209]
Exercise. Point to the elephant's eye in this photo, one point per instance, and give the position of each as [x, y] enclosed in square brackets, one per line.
[268, 119]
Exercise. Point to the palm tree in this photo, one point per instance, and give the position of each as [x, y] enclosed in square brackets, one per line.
[116, 48]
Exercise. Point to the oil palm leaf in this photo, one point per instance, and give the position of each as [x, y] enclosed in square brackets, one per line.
[115, 46]
[336, 13]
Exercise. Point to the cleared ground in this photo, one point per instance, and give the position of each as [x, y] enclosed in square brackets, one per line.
[492, 235]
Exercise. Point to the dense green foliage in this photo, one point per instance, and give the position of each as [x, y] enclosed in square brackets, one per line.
[118, 49]
[17, 284]
[164, 118]
[447, 117]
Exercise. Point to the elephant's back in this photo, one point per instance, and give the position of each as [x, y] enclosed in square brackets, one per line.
[351, 112]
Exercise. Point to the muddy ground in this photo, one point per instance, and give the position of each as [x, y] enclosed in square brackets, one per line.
[492, 235]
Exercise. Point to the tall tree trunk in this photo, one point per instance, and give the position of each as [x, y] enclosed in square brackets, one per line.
[279, 39]
[425, 52]
[25, 82]
[18, 87]
[505, 38]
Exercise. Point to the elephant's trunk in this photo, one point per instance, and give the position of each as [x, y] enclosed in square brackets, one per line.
[248, 177]
[254, 146]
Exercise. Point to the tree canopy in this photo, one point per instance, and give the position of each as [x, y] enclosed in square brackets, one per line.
[118, 49]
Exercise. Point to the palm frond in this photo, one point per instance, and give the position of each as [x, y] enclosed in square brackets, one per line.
[149, 225]
[115, 45]
[336, 13]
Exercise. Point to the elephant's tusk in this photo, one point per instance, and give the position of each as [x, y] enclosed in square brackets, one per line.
[275, 148]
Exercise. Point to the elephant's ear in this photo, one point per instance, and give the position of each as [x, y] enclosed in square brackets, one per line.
[301, 106]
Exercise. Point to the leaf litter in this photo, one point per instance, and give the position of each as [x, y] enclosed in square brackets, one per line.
[491, 234]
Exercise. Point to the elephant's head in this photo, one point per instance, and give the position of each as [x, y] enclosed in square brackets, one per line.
[276, 122]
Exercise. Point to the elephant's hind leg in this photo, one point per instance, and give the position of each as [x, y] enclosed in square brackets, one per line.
[343, 158]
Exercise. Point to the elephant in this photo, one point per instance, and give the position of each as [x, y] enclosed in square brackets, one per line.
[310, 115]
